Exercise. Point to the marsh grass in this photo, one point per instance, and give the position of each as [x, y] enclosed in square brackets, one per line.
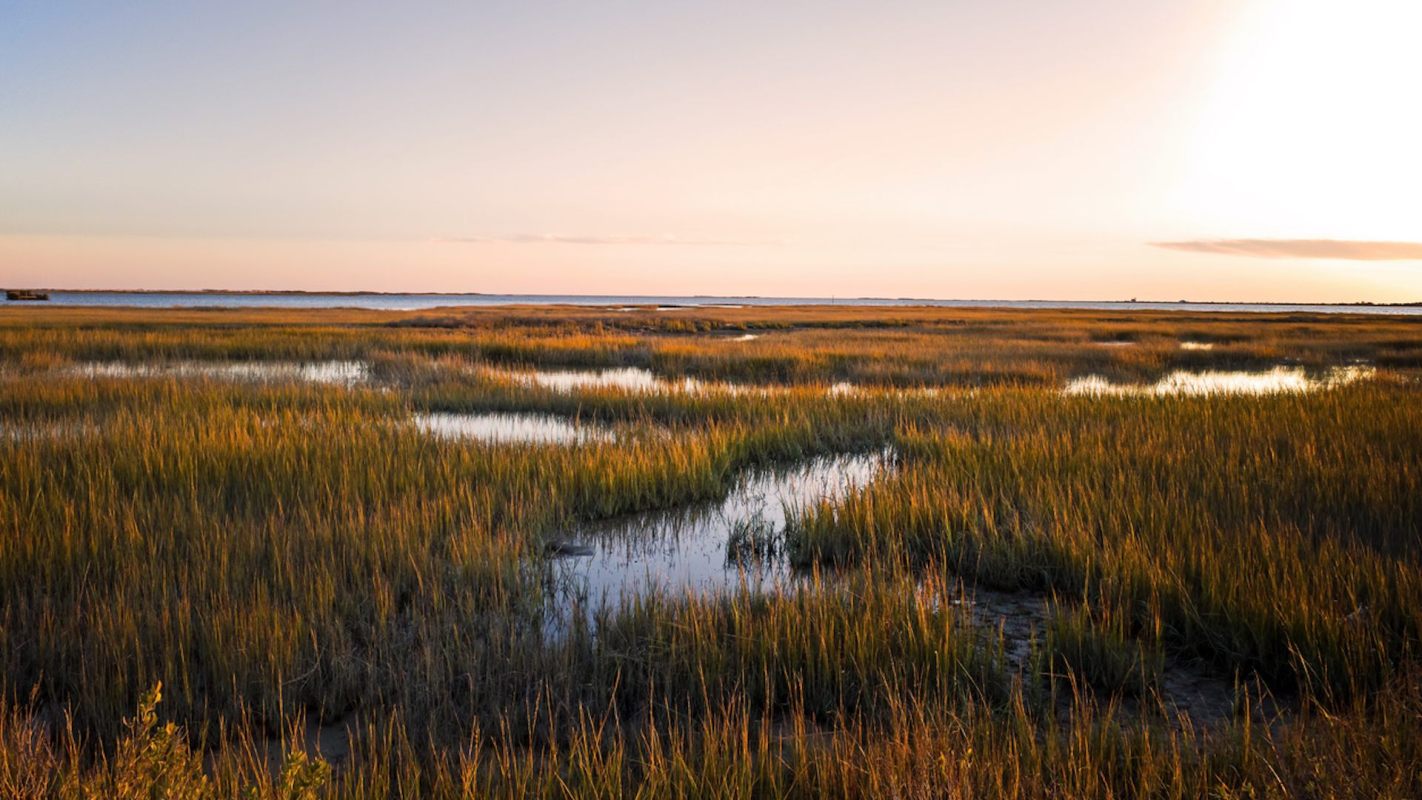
[879, 346]
[1095, 645]
[754, 540]
[739, 754]
[278, 555]
[1270, 534]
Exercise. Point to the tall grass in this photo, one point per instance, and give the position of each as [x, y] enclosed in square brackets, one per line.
[280, 556]
[1099, 646]
[1268, 534]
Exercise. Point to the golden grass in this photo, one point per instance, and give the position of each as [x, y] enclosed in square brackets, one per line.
[272, 552]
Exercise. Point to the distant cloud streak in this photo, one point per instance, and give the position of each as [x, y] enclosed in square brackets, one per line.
[1345, 249]
[554, 238]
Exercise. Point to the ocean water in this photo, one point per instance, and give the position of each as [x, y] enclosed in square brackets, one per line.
[633, 304]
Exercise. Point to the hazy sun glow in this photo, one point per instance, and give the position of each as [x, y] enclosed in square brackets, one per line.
[1312, 127]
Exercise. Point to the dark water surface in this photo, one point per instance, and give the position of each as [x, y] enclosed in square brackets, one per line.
[633, 304]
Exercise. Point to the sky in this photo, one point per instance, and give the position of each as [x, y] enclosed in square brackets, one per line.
[1012, 149]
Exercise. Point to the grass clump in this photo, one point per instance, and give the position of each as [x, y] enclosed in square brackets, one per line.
[753, 541]
[1095, 646]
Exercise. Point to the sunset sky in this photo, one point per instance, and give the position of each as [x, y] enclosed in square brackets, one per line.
[1240, 150]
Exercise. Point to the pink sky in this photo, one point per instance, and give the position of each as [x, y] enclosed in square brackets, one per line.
[973, 150]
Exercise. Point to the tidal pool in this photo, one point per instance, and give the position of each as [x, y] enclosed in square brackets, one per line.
[501, 428]
[1182, 382]
[638, 379]
[707, 548]
[631, 379]
[567, 380]
[1197, 345]
[45, 431]
[345, 373]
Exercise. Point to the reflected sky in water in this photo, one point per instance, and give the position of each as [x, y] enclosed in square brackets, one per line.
[511, 428]
[686, 549]
[334, 372]
[1208, 382]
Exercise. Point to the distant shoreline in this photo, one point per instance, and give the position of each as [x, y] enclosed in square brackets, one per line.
[760, 299]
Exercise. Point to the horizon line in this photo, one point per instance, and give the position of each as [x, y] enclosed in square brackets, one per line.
[616, 295]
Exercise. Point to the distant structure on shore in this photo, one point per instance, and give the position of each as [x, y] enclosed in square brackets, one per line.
[25, 294]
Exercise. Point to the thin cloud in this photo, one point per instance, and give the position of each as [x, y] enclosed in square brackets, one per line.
[555, 238]
[1350, 250]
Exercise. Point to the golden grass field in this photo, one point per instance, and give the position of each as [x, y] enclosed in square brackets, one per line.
[1108, 594]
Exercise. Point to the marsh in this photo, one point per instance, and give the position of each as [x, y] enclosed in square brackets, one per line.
[468, 539]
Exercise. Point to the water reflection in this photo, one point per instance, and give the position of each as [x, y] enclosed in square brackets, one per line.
[708, 548]
[344, 373]
[45, 431]
[638, 379]
[501, 428]
[631, 379]
[566, 380]
[1182, 382]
